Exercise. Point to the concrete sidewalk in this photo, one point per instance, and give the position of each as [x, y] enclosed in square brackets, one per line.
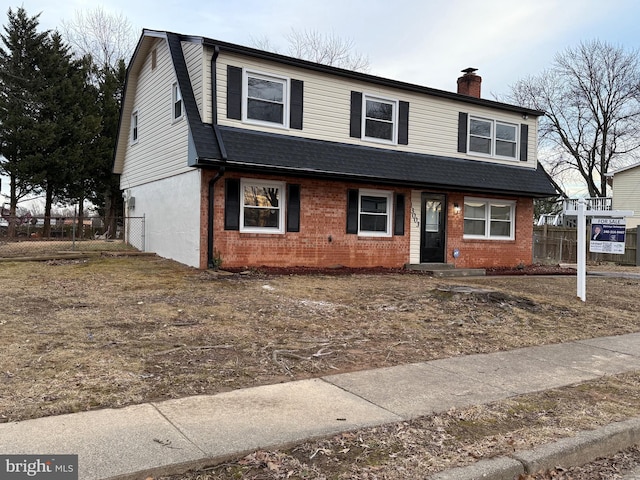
[169, 436]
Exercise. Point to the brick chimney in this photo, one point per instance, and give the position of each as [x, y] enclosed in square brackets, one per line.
[469, 83]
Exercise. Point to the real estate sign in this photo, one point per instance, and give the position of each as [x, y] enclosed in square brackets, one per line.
[607, 235]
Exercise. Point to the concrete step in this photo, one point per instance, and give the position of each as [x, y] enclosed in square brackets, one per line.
[446, 270]
[430, 266]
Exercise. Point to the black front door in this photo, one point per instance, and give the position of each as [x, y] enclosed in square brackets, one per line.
[433, 224]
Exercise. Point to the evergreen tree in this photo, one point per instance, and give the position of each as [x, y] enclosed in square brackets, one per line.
[20, 81]
[68, 125]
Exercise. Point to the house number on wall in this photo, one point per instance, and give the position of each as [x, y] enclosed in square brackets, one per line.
[414, 217]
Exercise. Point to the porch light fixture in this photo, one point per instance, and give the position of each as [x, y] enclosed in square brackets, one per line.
[456, 208]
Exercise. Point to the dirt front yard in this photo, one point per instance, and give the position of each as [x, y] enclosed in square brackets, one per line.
[108, 332]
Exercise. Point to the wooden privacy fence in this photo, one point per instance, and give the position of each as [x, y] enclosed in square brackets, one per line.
[559, 245]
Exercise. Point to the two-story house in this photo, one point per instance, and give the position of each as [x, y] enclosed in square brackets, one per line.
[259, 159]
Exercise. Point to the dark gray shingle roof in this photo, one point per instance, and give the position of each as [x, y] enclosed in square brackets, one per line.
[252, 150]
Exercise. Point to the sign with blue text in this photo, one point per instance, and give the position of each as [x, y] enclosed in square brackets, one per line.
[607, 235]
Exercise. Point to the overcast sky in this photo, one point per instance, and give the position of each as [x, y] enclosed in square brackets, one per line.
[426, 42]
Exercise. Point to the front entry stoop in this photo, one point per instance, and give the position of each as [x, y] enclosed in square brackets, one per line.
[446, 270]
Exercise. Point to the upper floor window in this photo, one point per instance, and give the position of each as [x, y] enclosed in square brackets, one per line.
[265, 99]
[489, 219]
[262, 206]
[493, 138]
[380, 119]
[176, 101]
[134, 127]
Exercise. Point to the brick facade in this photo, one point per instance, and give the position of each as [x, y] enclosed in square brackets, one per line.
[490, 253]
[323, 241]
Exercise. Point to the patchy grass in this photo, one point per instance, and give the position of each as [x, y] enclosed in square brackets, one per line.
[109, 332]
[113, 331]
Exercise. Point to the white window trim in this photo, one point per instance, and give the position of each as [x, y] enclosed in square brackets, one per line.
[376, 193]
[175, 93]
[135, 126]
[281, 217]
[487, 218]
[493, 122]
[378, 98]
[285, 97]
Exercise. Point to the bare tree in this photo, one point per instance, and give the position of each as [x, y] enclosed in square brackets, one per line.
[107, 38]
[328, 49]
[591, 100]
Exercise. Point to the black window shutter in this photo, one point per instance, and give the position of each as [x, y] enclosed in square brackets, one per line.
[403, 123]
[234, 92]
[398, 221]
[352, 211]
[355, 125]
[293, 208]
[462, 132]
[232, 204]
[524, 142]
[295, 117]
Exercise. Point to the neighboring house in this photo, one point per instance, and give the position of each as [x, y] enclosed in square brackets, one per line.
[625, 184]
[259, 159]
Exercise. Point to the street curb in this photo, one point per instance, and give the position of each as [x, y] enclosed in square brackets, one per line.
[585, 447]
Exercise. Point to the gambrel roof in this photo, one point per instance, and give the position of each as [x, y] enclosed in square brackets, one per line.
[241, 149]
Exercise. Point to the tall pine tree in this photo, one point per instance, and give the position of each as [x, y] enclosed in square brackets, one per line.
[67, 125]
[20, 81]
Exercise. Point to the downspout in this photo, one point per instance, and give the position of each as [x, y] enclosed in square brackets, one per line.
[223, 156]
[210, 227]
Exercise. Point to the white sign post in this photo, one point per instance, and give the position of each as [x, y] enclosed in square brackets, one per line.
[609, 237]
[582, 251]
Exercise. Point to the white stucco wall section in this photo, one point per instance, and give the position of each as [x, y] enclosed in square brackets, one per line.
[171, 208]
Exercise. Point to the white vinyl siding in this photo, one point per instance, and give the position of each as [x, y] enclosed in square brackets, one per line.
[414, 240]
[626, 194]
[433, 121]
[162, 147]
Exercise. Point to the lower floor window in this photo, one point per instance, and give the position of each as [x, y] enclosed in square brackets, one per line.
[374, 213]
[490, 219]
[262, 206]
